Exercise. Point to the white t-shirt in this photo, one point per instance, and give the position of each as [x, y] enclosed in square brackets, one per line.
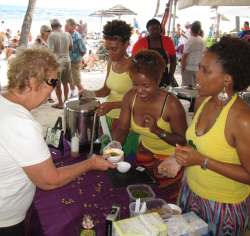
[21, 144]
[195, 46]
[60, 42]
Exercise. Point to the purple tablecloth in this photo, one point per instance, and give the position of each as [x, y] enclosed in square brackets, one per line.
[50, 216]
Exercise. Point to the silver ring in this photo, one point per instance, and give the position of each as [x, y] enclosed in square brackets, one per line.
[147, 121]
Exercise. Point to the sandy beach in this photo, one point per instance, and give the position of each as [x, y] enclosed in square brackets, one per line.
[45, 114]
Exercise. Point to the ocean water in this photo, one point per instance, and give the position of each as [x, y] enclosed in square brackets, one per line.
[13, 17]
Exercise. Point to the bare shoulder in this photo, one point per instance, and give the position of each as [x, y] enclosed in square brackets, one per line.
[129, 96]
[240, 114]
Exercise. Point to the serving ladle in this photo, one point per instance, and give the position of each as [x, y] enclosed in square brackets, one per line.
[91, 154]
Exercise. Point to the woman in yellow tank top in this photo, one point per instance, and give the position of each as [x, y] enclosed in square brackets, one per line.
[217, 152]
[116, 34]
[156, 115]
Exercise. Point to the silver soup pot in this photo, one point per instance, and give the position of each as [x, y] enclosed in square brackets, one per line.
[79, 115]
[187, 93]
[245, 96]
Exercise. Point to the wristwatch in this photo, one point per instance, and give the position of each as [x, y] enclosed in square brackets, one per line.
[164, 134]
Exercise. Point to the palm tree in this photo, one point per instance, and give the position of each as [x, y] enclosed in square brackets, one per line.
[157, 8]
[27, 23]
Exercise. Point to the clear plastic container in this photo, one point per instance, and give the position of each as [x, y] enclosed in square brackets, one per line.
[140, 187]
[160, 204]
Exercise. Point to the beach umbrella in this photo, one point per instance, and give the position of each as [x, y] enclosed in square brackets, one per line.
[222, 18]
[101, 13]
[120, 10]
[172, 15]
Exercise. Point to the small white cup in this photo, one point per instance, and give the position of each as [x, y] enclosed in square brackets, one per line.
[132, 210]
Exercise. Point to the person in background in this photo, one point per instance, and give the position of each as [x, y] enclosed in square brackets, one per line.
[133, 39]
[211, 28]
[177, 36]
[99, 55]
[61, 44]
[186, 34]
[81, 29]
[216, 187]
[116, 34]
[192, 53]
[11, 48]
[135, 23]
[155, 114]
[30, 42]
[76, 55]
[86, 31]
[8, 34]
[162, 44]
[43, 40]
[32, 75]
[246, 30]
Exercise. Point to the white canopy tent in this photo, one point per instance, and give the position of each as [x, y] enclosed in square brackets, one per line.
[182, 4]
[223, 7]
[235, 11]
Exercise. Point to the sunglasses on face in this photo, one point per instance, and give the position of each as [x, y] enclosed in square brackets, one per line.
[52, 82]
[148, 59]
[112, 37]
[48, 31]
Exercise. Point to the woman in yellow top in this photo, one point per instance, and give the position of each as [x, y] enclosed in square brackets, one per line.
[217, 152]
[117, 34]
[155, 114]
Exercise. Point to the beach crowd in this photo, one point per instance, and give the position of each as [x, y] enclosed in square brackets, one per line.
[203, 168]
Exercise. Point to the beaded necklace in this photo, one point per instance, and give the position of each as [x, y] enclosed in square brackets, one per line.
[196, 122]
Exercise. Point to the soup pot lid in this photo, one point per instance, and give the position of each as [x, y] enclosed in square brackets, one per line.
[191, 92]
[246, 94]
[82, 105]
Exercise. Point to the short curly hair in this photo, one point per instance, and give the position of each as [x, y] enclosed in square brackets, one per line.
[118, 28]
[38, 62]
[152, 71]
[233, 55]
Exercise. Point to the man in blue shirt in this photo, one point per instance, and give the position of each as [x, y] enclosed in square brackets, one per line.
[79, 49]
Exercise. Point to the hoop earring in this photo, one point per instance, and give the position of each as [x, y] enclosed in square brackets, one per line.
[222, 96]
[126, 57]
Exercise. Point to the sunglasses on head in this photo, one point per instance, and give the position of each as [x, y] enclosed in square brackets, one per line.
[52, 82]
[146, 59]
[112, 37]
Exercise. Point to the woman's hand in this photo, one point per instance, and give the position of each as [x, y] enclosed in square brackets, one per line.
[104, 108]
[187, 156]
[84, 93]
[150, 122]
[100, 163]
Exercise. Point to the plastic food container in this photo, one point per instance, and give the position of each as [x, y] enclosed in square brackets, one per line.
[176, 209]
[140, 187]
[161, 205]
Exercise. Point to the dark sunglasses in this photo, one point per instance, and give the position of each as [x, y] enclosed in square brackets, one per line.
[48, 31]
[146, 59]
[52, 82]
[112, 37]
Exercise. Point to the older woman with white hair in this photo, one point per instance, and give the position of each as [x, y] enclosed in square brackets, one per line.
[25, 158]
